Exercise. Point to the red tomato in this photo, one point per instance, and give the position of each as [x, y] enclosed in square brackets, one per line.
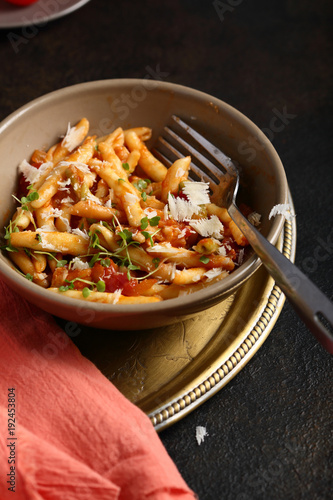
[21, 2]
[112, 278]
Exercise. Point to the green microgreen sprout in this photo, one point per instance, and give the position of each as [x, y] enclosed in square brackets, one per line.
[100, 286]
[144, 223]
[126, 166]
[148, 236]
[60, 262]
[153, 222]
[27, 199]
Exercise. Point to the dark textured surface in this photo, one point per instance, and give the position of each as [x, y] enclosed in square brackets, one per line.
[270, 428]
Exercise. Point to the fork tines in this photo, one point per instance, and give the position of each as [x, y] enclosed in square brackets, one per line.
[179, 140]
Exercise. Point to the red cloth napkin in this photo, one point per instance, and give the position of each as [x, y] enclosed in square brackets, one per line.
[77, 436]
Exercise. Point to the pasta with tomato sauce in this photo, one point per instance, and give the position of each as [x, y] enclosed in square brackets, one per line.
[102, 219]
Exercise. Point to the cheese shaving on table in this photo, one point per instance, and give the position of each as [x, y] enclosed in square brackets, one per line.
[282, 209]
[200, 434]
[208, 227]
[197, 192]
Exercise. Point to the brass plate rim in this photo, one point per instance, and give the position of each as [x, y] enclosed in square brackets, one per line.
[181, 405]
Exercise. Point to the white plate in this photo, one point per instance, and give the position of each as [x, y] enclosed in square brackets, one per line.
[39, 13]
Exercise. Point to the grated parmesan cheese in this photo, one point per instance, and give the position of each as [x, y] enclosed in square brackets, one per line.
[63, 184]
[212, 273]
[72, 138]
[78, 232]
[181, 209]
[254, 218]
[166, 212]
[208, 227]
[197, 192]
[47, 229]
[130, 198]
[46, 245]
[92, 197]
[67, 200]
[77, 263]
[54, 212]
[282, 209]
[116, 295]
[30, 173]
[200, 434]
[150, 212]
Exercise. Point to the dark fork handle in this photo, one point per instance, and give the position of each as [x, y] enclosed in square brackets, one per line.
[308, 301]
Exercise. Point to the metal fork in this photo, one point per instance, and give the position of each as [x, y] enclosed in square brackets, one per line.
[312, 306]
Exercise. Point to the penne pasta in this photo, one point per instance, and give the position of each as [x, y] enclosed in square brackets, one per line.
[151, 165]
[176, 174]
[65, 243]
[105, 221]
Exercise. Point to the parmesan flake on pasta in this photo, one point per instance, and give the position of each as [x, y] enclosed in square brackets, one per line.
[31, 173]
[213, 273]
[197, 192]
[72, 138]
[81, 233]
[208, 227]
[181, 209]
[77, 263]
[117, 295]
[67, 201]
[63, 185]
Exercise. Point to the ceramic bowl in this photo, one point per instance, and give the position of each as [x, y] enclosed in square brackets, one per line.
[108, 104]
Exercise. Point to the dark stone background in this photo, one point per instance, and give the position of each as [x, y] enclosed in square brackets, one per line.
[270, 427]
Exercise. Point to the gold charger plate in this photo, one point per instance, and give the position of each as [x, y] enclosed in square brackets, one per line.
[170, 371]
